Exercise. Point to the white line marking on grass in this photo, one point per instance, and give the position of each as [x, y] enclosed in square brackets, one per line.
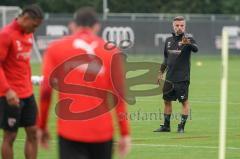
[160, 145]
[184, 146]
[192, 101]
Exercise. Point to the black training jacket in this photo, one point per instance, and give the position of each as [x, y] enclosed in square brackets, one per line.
[177, 58]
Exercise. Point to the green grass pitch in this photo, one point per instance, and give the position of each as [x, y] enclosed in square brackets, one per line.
[200, 141]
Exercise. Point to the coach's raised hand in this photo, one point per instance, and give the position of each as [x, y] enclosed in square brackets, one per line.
[12, 98]
[185, 41]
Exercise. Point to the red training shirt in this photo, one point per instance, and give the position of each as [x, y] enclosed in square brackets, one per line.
[98, 128]
[15, 70]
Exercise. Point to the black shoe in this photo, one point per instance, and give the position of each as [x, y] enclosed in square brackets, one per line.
[180, 128]
[163, 128]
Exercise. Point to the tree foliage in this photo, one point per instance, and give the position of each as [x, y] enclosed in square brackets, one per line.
[137, 6]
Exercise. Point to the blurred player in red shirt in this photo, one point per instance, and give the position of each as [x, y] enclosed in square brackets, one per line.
[17, 104]
[85, 74]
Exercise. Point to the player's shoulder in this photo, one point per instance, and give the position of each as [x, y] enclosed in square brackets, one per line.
[59, 43]
[105, 46]
[170, 37]
[6, 35]
[54, 47]
[106, 50]
[99, 40]
[9, 28]
[189, 36]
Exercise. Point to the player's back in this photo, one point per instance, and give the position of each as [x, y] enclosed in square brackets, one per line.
[82, 67]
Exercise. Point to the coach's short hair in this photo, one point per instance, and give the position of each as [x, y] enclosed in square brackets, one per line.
[34, 11]
[179, 18]
[85, 17]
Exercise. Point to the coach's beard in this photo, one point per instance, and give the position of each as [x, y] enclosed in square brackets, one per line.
[179, 32]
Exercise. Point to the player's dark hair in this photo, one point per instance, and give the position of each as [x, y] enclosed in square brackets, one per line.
[34, 11]
[179, 18]
[85, 17]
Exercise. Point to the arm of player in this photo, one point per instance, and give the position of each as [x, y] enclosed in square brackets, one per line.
[124, 143]
[11, 95]
[118, 88]
[194, 46]
[45, 101]
[163, 66]
[5, 44]
[44, 104]
[165, 57]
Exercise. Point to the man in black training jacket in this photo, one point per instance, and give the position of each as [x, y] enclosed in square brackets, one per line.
[177, 53]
